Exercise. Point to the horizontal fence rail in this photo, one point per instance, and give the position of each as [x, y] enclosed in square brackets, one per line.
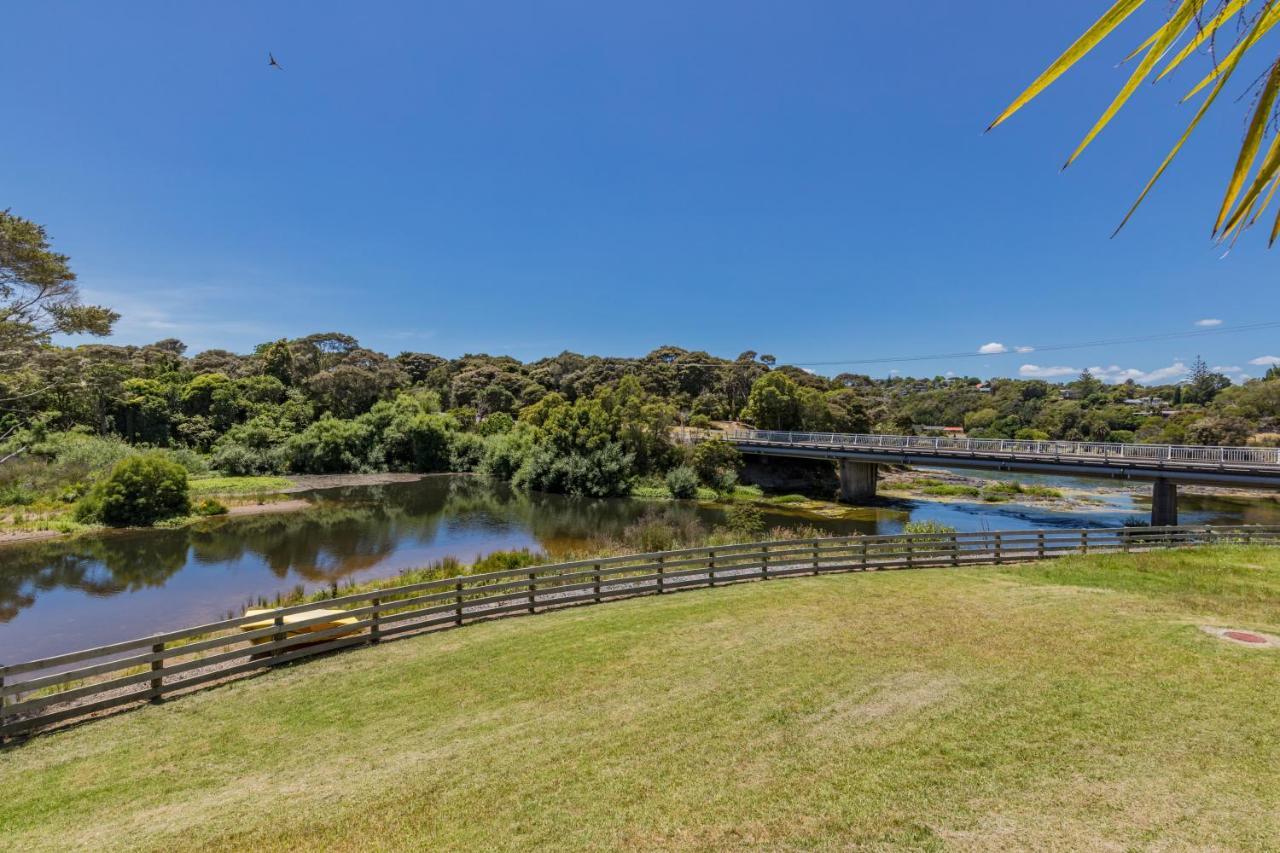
[42, 693]
[1191, 455]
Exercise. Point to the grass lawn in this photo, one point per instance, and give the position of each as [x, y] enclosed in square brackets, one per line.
[1073, 705]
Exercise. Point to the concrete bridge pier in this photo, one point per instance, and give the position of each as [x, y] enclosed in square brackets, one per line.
[1164, 503]
[857, 480]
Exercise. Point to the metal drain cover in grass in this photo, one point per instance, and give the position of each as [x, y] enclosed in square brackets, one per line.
[1253, 639]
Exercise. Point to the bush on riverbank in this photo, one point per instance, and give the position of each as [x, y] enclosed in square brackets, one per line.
[140, 491]
[682, 483]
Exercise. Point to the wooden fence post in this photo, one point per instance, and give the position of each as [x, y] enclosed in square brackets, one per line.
[764, 561]
[157, 681]
[533, 591]
[955, 550]
[457, 604]
[816, 556]
[910, 542]
[711, 567]
[375, 627]
[595, 580]
[1084, 541]
[862, 547]
[661, 575]
[278, 636]
[4, 718]
[999, 550]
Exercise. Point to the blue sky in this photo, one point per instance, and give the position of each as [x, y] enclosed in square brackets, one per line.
[805, 179]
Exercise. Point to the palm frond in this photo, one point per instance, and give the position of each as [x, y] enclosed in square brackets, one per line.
[1092, 38]
[1245, 199]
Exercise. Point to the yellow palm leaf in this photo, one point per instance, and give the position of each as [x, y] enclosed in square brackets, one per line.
[1151, 39]
[1203, 35]
[1266, 201]
[1266, 173]
[1252, 142]
[1101, 28]
[1204, 108]
[1168, 33]
[1265, 22]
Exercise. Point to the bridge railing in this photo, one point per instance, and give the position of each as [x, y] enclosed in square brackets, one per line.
[1185, 453]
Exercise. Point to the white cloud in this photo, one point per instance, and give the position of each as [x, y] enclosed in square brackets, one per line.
[1265, 360]
[1024, 349]
[1035, 371]
[1209, 322]
[1113, 374]
[1223, 368]
[1116, 374]
[993, 348]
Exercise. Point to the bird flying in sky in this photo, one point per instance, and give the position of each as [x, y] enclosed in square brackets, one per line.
[271, 61]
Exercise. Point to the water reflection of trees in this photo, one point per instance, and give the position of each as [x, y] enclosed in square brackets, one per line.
[100, 566]
[346, 531]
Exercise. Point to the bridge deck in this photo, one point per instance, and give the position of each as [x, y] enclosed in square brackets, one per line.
[1228, 466]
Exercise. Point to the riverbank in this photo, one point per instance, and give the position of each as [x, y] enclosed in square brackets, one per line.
[241, 496]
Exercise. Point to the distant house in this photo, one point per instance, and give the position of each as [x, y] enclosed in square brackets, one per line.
[983, 387]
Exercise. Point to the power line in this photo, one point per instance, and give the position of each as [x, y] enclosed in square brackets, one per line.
[1132, 339]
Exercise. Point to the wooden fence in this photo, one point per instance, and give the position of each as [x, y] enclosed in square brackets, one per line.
[63, 688]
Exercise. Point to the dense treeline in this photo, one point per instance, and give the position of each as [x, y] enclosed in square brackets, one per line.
[572, 423]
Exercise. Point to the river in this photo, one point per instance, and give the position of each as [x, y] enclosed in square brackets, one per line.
[63, 595]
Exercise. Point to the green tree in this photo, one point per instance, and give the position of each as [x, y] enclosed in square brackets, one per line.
[716, 462]
[1203, 384]
[774, 403]
[334, 446]
[38, 294]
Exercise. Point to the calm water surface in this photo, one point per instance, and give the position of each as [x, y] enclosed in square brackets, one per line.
[66, 595]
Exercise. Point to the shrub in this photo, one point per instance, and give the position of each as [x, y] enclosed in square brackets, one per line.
[496, 424]
[15, 495]
[717, 463]
[929, 531]
[682, 482]
[466, 451]
[503, 561]
[744, 520]
[240, 460]
[505, 453]
[208, 506]
[650, 492]
[661, 530]
[603, 473]
[333, 446]
[140, 491]
[927, 527]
